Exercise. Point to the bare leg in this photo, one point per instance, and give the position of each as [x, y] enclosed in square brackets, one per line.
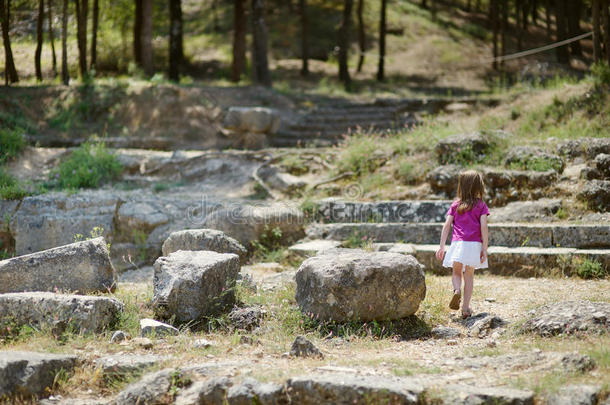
[468, 286]
[456, 279]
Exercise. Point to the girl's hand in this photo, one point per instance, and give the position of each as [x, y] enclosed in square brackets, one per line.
[440, 254]
[483, 256]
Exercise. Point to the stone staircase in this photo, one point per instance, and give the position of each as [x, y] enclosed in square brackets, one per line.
[520, 249]
[327, 125]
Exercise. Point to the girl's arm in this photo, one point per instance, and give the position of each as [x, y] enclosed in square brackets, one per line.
[484, 237]
[444, 234]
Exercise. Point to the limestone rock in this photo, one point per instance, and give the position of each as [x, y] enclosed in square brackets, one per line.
[527, 211]
[248, 318]
[152, 389]
[120, 366]
[602, 164]
[337, 210]
[468, 394]
[344, 286]
[443, 332]
[251, 391]
[568, 317]
[303, 347]
[54, 219]
[587, 147]
[150, 327]
[203, 239]
[480, 325]
[577, 363]
[596, 193]
[142, 216]
[91, 314]
[455, 148]
[202, 343]
[278, 180]
[346, 389]
[211, 391]
[313, 247]
[575, 395]
[533, 158]
[444, 179]
[30, 373]
[119, 336]
[189, 286]
[252, 119]
[82, 266]
[249, 223]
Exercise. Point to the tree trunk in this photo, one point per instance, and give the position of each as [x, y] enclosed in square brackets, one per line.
[574, 14]
[137, 34]
[81, 36]
[215, 23]
[344, 44]
[519, 23]
[239, 40]
[493, 13]
[52, 36]
[597, 49]
[304, 37]
[65, 75]
[96, 13]
[561, 21]
[424, 4]
[361, 35]
[176, 52]
[468, 5]
[39, 39]
[547, 10]
[504, 27]
[10, 73]
[606, 20]
[261, 64]
[146, 38]
[382, 32]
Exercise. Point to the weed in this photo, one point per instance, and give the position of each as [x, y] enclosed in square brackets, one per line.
[89, 166]
[357, 240]
[12, 142]
[358, 154]
[587, 268]
[561, 213]
[294, 165]
[10, 188]
[601, 74]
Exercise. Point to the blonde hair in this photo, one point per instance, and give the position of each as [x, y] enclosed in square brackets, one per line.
[470, 189]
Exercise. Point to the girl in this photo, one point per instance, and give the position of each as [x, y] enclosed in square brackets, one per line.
[468, 250]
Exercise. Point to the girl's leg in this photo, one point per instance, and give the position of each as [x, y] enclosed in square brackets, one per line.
[456, 279]
[468, 286]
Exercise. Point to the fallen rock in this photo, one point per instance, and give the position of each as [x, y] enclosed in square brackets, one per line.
[247, 318]
[568, 317]
[481, 324]
[303, 347]
[533, 158]
[210, 391]
[119, 336]
[250, 223]
[121, 366]
[151, 389]
[586, 147]
[345, 389]
[313, 247]
[251, 391]
[140, 216]
[575, 395]
[252, 119]
[189, 286]
[203, 239]
[577, 363]
[278, 180]
[462, 148]
[82, 266]
[344, 285]
[144, 343]
[444, 179]
[443, 332]
[29, 373]
[542, 210]
[150, 327]
[602, 164]
[468, 394]
[92, 314]
[596, 193]
[202, 343]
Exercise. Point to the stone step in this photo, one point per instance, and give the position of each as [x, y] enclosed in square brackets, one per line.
[508, 235]
[343, 118]
[504, 261]
[324, 127]
[334, 210]
[290, 142]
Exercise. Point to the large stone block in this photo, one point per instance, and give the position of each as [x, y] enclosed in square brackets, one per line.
[190, 286]
[342, 286]
[82, 266]
[203, 239]
[252, 119]
[30, 373]
[83, 313]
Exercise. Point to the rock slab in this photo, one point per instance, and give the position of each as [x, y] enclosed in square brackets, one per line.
[189, 286]
[84, 313]
[203, 239]
[302, 347]
[151, 389]
[568, 317]
[82, 266]
[123, 365]
[344, 285]
[30, 373]
[150, 327]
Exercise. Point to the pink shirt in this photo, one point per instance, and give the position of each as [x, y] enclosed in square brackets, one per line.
[467, 226]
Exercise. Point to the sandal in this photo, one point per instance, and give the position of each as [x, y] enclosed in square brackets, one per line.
[466, 314]
[455, 300]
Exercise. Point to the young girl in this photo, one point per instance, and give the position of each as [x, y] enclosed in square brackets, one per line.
[468, 250]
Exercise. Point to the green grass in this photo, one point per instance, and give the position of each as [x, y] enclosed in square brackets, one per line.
[89, 166]
[12, 142]
[10, 188]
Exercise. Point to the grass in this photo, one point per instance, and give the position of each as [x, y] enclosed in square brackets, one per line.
[10, 188]
[12, 142]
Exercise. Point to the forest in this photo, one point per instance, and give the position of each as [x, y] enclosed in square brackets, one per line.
[99, 38]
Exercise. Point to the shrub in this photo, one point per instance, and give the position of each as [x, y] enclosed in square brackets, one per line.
[89, 166]
[586, 268]
[601, 74]
[358, 154]
[10, 189]
[12, 143]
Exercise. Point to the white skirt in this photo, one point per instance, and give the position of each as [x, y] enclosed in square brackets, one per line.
[467, 253]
